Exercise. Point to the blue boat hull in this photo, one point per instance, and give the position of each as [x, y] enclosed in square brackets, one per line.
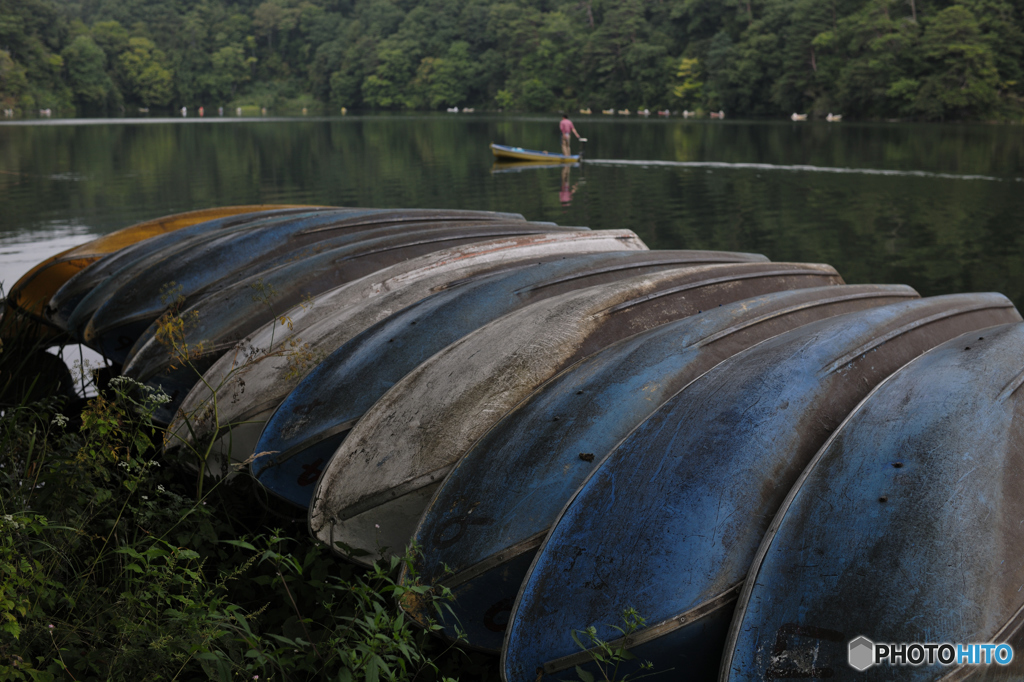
[905, 527]
[256, 388]
[95, 287]
[220, 320]
[538, 463]
[684, 501]
[66, 299]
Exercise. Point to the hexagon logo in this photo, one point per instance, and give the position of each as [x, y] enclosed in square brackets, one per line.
[862, 653]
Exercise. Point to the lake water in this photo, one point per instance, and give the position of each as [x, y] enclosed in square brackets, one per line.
[938, 207]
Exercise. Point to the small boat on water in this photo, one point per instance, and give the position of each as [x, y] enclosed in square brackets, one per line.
[507, 153]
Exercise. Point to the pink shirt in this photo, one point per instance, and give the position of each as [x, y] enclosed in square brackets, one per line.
[565, 125]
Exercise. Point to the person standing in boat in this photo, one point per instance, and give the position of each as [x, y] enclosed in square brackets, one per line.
[566, 127]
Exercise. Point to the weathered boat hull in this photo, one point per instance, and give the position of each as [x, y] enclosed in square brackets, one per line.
[223, 315]
[218, 321]
[685, 500]
[253, 379]
[138, 267]
[64, 302]
[28, 297]
[408, 441]
[478, 541]
[126, 314]
[332, 398]
[905, 527]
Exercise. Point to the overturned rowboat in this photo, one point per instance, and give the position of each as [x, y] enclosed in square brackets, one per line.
[220, 319]
[28, 298]
[913, 503]
[126, 314]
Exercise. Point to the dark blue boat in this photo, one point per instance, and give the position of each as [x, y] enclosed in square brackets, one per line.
[83, 294]
[479, 542]
[905, 527]
[671, 521]
[126, 314]
[337, 393]
[67, 298]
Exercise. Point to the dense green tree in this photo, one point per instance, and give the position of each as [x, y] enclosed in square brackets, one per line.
[928, 59]
[144, 72]
[229, 69]
[878, 47]
[961, 80]
[13, 83]
[91, 84]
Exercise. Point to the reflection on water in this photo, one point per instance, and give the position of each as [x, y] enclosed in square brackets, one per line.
[568, 189]
[935, 206]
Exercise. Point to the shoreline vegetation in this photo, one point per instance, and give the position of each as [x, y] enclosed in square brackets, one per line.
[118, 563]
[929, 60]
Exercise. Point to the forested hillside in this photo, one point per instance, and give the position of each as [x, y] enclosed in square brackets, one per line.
[866, 59]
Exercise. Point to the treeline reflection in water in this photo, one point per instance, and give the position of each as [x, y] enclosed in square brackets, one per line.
[935, 206]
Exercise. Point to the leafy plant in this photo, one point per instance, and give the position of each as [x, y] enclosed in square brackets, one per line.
[609, 656]
[115, 567]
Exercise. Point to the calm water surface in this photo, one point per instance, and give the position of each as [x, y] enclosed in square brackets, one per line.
[938, 207]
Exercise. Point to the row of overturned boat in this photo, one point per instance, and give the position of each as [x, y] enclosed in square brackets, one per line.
[762, 461]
